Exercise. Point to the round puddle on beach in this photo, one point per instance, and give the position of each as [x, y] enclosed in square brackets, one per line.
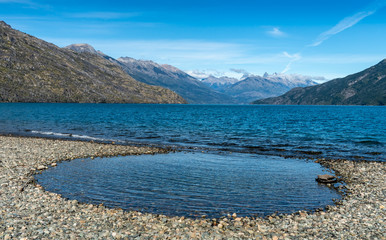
[193, 184]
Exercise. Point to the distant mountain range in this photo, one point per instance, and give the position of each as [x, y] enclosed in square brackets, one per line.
[190, 88]
[32, 70]
[253, 87]
[364, 88]
[210, 90]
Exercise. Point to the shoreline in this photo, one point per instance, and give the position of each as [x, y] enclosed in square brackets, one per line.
[29, 212]
[274, 151]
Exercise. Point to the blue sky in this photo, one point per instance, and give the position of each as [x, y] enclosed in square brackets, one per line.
[330, 38]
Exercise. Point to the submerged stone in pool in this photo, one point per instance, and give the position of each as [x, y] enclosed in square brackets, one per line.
[192, 184]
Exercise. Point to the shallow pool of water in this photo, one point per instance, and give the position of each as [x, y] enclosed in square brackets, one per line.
[193, 184]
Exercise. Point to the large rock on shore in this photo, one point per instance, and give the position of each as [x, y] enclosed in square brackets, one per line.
[326, 179]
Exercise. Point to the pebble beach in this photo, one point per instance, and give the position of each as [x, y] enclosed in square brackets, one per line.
[27, 211]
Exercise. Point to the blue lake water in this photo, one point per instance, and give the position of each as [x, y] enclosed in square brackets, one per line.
[353, 132]
[232, 159]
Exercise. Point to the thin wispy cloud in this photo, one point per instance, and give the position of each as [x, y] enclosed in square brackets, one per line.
[14, 1]
[23, 2]
[165, 48]
[186, 54]
[349, 22]
[240, 70]
[294, 57]
[200, 74]
[341, 26]
[276, 32]
[104, 15]
[26, 3]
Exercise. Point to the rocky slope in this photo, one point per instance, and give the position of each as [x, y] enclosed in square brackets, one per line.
[83, 47]
[190, 88]
[32, 70]
[364, 88]
[167, 76]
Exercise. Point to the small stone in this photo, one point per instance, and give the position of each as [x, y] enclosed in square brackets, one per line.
[41, 167]
[53, 164]
[261, 228]
[303, 214]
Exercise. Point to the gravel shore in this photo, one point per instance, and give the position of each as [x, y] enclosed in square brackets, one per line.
[29, 212]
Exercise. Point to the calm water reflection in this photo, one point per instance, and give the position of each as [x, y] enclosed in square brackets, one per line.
[192, 184]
